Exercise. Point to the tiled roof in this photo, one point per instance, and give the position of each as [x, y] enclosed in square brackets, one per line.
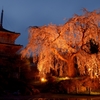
[2, 29]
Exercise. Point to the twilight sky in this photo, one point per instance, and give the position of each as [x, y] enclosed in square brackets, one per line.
[20, 14]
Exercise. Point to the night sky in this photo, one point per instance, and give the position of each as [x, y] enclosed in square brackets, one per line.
[20, 14]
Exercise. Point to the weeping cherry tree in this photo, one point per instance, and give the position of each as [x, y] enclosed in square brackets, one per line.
[78, 38]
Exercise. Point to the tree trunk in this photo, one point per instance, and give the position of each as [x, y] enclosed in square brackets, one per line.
[71, 68]
[70, 62]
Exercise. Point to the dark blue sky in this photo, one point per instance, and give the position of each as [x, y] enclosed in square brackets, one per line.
[20, 14]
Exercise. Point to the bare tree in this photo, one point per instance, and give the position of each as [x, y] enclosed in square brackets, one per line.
[78, 38]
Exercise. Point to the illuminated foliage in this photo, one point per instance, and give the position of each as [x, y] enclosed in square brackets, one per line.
[78, 38]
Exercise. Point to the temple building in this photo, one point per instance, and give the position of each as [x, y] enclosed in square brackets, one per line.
[8, 48]
[7, 40]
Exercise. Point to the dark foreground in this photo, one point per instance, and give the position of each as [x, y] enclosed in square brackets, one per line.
[49, 96]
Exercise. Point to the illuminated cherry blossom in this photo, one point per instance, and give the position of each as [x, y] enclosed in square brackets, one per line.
[62, 46]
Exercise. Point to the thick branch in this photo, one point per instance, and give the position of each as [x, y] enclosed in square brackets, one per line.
[59, 56]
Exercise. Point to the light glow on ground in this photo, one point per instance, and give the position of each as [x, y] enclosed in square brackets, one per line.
[43, 80]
